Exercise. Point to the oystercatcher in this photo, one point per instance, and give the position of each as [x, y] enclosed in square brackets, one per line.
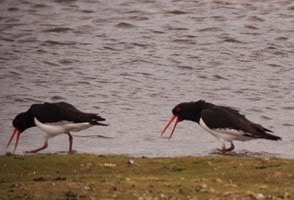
[225, 123]
[53, 119]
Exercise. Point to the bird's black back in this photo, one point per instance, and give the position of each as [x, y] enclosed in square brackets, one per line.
[223, 117]
[61, 111]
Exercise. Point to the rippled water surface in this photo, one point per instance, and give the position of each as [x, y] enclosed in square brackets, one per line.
[133, 61]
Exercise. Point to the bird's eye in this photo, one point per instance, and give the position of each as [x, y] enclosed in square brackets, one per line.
[178, 110]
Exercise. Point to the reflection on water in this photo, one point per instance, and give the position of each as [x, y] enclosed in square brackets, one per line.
[133, 61]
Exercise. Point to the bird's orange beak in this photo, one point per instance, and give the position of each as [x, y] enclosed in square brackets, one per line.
[16, 131]
[170, 121]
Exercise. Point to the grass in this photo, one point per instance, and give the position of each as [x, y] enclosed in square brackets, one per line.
[87, 176]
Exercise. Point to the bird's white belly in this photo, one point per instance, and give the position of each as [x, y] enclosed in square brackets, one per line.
[224, 134]
[55, 129]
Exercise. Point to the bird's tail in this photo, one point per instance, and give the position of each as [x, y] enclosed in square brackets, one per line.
[272, 137]
[265, 133]
[95, 121]
[269, 136]
[98, 123]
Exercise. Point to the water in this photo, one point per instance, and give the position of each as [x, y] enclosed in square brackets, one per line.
[133, 61]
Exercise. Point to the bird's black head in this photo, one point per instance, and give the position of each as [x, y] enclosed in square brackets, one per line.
[185, 111]
[188, 111]
[23, 121]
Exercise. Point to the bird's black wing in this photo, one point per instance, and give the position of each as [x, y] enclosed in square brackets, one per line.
[220, 118]
[229, 118]
[62, 111]
[79, 116]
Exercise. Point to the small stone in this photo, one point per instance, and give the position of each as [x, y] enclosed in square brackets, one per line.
[211, 190]
[203, 185]
[228, 193]
[86, 187]
[259, 196]
[131, 162]
[201, 188]
[249, 193]
[109, 165]
[218, 180]
[286, 195]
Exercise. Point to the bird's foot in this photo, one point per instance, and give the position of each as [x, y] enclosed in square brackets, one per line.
[38, 149]
[224, 149]
[71, 151]
[32, 151]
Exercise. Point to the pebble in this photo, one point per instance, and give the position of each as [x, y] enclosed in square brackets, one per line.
[259, 196]
[131, 161]
[108, 165]
[218, 180]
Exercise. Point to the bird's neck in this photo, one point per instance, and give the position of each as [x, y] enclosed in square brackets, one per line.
[197, 108]
[29, 122]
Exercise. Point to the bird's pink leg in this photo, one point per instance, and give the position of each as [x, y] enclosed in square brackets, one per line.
[39, 149]
[70, 142]
[232, 147]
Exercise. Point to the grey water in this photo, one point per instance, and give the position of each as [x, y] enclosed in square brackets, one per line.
[133, 61]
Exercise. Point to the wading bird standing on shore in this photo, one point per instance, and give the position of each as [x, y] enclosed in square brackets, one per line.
[225, 123]
[53, 119]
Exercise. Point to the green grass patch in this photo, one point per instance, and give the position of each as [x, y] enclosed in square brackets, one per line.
[86, 176]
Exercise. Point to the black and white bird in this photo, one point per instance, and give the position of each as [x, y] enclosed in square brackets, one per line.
[225, 123]
[53, 119]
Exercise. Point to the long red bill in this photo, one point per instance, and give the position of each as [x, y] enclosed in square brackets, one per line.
[16, 131]
[168, 124]
[174, 128]
[170, 121]
[16, 142]
[12, 136]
